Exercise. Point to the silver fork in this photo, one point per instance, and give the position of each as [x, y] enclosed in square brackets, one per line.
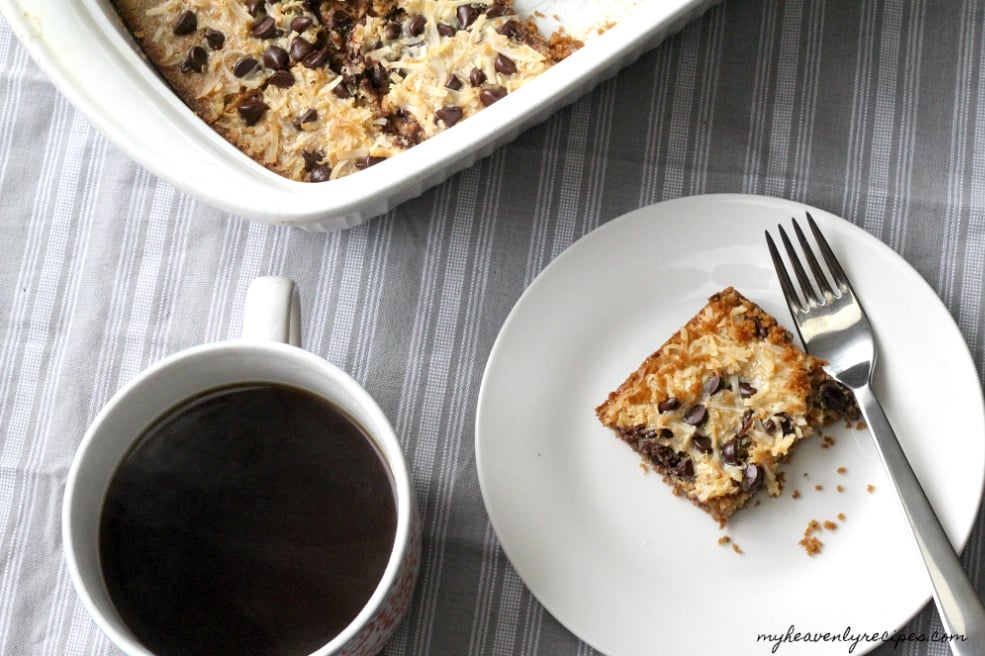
[833, 326]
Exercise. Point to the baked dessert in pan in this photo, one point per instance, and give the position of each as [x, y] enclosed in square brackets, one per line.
[723, 403]
[319, 89]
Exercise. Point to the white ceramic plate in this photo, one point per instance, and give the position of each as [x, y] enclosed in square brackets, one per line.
[87, 54]
[633, 570]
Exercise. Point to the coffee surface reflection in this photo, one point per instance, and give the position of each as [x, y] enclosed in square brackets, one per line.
[253, 519]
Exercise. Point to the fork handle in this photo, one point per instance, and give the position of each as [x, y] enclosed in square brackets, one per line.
[959, 605]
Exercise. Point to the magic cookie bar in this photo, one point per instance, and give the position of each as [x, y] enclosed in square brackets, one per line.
[318, 89]
[723, 403]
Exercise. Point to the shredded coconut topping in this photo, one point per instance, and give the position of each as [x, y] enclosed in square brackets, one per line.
[335, 85]
[723, 402]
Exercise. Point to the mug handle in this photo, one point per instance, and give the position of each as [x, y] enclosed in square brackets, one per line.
[272, 311]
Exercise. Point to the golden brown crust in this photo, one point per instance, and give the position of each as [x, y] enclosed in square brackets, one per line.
[351, 82]
[722, 403]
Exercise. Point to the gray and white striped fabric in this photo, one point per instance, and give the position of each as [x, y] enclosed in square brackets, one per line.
[871, 109]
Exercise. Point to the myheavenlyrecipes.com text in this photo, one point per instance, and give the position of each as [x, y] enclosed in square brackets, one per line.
[852, 638]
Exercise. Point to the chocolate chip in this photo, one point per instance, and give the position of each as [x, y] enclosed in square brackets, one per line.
[276, 58]
[476, 77]
[769, 425]
[496, 10]
[369, 161]
[214, 38]
[378, 77]
[730, 452]
[466, 16]
[696, 415]
[315, 58]
[186, 23]
[282, 78]
[746, 390]
[783, 420]
[666, 433]
[505, 65]
[453, 83]
[341, 91]
[245, 66]
[701, 443]
[668, 404]
[509, 29]
[312, 158]
[266, 28]
[321, 173]
[340, 22]
[446, 30]
[748, 419]
[752, 477]
[300, 23]
[684, 468]
[449, 115]
[714, 385]
[254, 7]
[308, 116]
[417, 24]
[196, 60]
[300, 48]
[252, 110]
[491, 95]
[832, 396]
[392, 30]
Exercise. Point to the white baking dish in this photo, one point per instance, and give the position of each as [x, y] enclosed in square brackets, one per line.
[87, 53]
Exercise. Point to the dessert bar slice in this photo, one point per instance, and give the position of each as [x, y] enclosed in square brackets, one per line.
[723, 402]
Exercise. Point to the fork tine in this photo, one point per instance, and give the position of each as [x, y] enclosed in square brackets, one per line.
[837, 273]
[789, 293]
[819, 277]
[805, 283]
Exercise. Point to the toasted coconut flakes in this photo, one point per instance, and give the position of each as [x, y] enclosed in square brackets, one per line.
[419, 67]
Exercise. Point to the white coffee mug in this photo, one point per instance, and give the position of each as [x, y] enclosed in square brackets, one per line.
[268, 352]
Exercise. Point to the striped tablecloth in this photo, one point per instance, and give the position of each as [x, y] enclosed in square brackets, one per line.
[871, 109]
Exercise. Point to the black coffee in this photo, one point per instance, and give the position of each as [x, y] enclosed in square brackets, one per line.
[254, 519]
